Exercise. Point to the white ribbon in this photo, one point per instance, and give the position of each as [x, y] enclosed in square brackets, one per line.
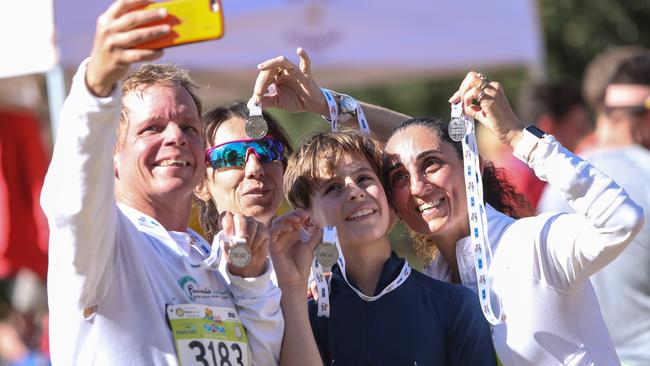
[330, 236]
[477, 216]
[333, 108]
[334, 112]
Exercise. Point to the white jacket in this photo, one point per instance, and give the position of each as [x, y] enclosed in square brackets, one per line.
[541, 265]
[123, 262]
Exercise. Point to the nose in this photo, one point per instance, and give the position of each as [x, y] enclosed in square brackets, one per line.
[418, 185]
[254, 167]
[355, 192]
[174, 135]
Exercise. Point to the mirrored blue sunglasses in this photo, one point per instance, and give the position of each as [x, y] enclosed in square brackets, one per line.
[233, 154]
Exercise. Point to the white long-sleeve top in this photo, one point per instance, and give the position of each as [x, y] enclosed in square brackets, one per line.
[541, 265]
[124, 264]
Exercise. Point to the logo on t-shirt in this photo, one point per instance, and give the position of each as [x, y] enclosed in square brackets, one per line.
[194, 291]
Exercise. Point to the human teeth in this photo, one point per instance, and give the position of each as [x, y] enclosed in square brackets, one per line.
[173, 162]
[360, 213]
[428, 205]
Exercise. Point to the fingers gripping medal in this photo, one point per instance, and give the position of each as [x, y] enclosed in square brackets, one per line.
[256, 126]
[239, 254]
[326, 252]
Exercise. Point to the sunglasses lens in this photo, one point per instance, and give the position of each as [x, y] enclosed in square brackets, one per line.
[234, 154]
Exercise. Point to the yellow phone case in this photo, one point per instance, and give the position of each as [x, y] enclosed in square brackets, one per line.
[191, 21]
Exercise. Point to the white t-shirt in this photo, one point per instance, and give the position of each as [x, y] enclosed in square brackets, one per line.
[623, 287]
[541, 265]
[123, 263]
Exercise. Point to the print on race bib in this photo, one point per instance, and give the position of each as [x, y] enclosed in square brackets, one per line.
[208, 335]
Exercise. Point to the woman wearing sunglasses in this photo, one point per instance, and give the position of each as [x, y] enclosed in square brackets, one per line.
[243, 175]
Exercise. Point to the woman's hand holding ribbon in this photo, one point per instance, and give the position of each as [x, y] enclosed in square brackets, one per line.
[486, 101]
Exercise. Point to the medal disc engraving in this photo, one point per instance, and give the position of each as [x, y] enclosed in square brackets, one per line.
[457, 129]
[327, 254]
[256, 127]
[239, 255]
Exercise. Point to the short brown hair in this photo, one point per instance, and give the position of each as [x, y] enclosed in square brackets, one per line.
[319, 154]
[599, 71]
[149, 75]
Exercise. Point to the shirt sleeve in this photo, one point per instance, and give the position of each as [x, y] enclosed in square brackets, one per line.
[77, 195]
[469, 333]
[258, 304]
[575, 246]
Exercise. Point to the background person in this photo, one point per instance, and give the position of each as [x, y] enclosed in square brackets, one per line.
[621, 151]
[558, 109]
[118, 199]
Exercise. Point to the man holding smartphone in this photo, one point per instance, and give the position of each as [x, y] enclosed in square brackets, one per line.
[128, 282]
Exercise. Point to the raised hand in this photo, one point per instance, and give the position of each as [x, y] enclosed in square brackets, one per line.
[295, 88]
[257, 239]
[291, 256]
[119, 29]
[492, 109]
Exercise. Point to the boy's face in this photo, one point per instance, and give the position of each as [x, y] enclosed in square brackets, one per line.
[352, 199]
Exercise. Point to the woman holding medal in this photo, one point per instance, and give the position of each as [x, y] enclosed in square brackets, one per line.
[381, 312]
[540, 266]
[537, 280]
[244, 173]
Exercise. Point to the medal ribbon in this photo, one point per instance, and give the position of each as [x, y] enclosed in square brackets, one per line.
[254, 110]
[334, 109]
[330, 236]
[212, 255]
[334, 113]
[363, 122]
[477, 216]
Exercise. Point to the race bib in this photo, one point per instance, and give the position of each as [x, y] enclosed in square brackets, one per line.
[208, 335]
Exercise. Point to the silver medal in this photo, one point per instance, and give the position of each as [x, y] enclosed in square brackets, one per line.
[327, 254]
[457, 129]
[256, 127]
[239, 254]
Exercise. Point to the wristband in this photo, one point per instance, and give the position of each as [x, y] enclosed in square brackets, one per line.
[529, 138]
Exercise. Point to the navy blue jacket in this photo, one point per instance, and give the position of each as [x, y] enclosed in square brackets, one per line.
[422, 322]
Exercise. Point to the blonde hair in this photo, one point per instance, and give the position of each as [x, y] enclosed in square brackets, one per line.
[149, 75]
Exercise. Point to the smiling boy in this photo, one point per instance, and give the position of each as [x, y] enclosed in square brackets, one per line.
[381, 311]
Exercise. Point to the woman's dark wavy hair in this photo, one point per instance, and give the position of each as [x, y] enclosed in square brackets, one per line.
[208, 216]
[498, 191]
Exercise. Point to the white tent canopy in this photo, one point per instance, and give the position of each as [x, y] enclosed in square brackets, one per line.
[349, 41]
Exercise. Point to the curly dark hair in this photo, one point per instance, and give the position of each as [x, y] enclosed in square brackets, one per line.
[498, 191]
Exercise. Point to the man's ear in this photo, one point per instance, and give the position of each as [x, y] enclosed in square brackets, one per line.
[201, 191]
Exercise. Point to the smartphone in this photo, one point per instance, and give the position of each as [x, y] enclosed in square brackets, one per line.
[190, 20]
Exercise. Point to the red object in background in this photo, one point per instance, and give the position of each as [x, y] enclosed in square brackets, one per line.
[525, 181]
[23, 226]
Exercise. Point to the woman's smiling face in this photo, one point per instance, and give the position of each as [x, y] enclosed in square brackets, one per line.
[427, 183]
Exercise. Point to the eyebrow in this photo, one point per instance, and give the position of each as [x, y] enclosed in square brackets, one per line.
[419, 156]
[428, 152]
[325, 181]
